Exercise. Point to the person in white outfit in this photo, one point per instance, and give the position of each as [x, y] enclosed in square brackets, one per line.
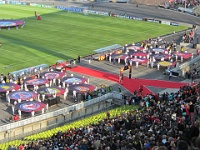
[33, 113]
[58, 81]
[47, 85]
[54, 81]
[74, 94]
[65, 95]
[13, 109]
[38, 96]
[42, 110]
[20, 113]
[54, 95]
[47, 106]
[50, 83]
[63, 84]
[15, 103]
[131, 62]
[137, 63]
[25, 86]
[67, 90]
[158, 66]
[19, 100]
[43, 97]
[22, 87]
[7, 96]
[152, 64]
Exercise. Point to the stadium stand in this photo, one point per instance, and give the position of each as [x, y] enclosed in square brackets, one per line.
[166, 121]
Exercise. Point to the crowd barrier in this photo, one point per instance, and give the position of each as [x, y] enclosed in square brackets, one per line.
[181, 70]
[62, 111]
[96, 12]
[16, 2]
[70, 9]
[186, 10]
[40, 5]
[133, 18]
[191, 11]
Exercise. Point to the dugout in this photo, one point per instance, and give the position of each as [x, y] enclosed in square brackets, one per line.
[196, 42]
[103, 53]
[29, 71]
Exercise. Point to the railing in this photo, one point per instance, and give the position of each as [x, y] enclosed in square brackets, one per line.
[62, 111]
[193, 61]
[108, 48]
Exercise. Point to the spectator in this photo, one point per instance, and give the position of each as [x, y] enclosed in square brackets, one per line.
[183, 145]
[160, 124]
[162, 148]
[198, 143]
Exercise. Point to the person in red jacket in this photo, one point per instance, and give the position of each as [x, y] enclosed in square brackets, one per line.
[16, 118]
[141, 89]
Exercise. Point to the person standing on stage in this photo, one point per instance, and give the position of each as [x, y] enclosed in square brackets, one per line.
[79, 59]
[170, 75]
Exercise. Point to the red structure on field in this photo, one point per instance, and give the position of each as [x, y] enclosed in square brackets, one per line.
[38, 17]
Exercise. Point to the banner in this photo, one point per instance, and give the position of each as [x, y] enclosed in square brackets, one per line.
[72, 9]
[153, 20]
[41, 5]
[136, 18]
[96, 12]
[35, 5]
[173, 23]
[165, 22]
[16, 3]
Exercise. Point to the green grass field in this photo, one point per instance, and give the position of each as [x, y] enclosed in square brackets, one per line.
[63, 35]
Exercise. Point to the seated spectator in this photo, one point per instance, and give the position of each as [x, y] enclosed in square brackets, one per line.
[162, 148]
[11, 119]
[194, 143]
[183, 145]
[198, 143]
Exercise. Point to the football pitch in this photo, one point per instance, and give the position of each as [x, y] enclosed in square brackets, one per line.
[63, 35]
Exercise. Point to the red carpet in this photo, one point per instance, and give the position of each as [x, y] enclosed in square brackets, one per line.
[129, 84]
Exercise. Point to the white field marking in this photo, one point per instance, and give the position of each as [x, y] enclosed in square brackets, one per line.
[64, 52]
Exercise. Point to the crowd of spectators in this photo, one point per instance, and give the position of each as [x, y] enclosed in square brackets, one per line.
[188, 37]
[168, 121]
[159, 43]
[188, 4]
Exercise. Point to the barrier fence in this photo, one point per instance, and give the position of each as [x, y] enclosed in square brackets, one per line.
[62, 111]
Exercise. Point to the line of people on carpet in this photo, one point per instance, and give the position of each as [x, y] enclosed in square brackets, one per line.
[149, 44]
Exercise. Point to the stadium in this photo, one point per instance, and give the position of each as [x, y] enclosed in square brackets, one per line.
[100, 75]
